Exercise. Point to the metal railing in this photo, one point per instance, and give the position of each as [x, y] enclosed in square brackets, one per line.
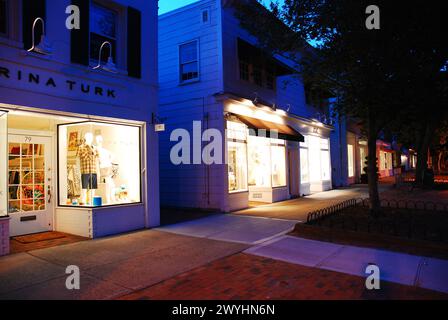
[405, 218]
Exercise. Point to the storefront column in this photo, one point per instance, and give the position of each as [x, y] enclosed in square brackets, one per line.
[151, 143]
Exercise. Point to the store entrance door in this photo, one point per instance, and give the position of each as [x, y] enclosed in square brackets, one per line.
[30, 205]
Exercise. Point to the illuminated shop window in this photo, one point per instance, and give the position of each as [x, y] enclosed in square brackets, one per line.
[362, 160]
[267, 162]
[237, 156]
[304, 166]
[99, 164]
[386, 160]
[259, 161]
[278, 163]
[351, 161]
[315, 159]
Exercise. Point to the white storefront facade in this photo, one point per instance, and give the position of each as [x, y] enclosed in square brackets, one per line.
[78, 149]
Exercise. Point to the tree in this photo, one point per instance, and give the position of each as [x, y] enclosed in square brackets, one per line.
[370, 72]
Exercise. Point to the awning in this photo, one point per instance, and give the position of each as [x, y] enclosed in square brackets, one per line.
[262, 128]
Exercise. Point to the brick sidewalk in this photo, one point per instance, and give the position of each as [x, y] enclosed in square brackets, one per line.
[243, 276]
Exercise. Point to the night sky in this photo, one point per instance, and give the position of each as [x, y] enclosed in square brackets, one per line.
[168, 5]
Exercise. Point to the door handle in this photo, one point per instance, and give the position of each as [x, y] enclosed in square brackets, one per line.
[49, 194]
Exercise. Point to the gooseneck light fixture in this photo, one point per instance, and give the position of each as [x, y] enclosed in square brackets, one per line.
[43, 47]
[110, 65]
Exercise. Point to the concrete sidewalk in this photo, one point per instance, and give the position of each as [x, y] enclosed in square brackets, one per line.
[110, 267]
[233, 228]
[298, 209]
[423, 272]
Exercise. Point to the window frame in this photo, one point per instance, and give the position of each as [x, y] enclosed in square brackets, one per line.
[180, 64]
[207, 11]
[242, 142]
[7, 21]
[120, 33]
[141, 155]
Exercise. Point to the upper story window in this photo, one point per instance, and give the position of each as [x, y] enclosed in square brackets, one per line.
[205, 16]
[103, 27]
[257, 67]
[3, 17]
[189, 61]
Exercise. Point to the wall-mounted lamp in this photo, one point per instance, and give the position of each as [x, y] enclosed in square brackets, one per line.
[110, 65]
[255, 100]
[43, 47]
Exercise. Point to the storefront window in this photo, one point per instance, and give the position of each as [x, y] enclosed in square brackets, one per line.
[315, 160]
[259, 162]
[386, 160]
[362, 160]
[304, 165]
[99, 164]
[351, 161]
[237, 156]
[278, 163]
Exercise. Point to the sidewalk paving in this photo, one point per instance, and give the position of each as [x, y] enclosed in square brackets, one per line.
[109, 267]
[298, 209]
[423, 272]
[233, 228]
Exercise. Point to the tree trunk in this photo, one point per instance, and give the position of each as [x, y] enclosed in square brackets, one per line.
[422, 155]
[372, 172]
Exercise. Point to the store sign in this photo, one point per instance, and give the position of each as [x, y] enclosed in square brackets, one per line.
[54, 83]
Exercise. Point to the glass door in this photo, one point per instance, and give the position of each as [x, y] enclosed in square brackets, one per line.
[29, 189]
[3, 163]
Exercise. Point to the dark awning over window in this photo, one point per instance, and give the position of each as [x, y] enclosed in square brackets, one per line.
[263, 128]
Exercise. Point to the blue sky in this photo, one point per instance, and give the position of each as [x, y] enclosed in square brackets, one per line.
[168, 5]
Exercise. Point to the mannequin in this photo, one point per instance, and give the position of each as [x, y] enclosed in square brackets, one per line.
[88, 156]
[105, 163]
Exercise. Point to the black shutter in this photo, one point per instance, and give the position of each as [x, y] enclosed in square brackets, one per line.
[80, 38]
[32, 9]
[134, 43]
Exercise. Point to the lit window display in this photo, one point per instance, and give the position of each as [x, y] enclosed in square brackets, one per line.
[237, 156]
[254, 161]
[267, 162]
[351, 161]
[386, 160]
[278, 158]
[315, 160]
[99, 164]
[259, 162]
[362, 158]
[304, 165]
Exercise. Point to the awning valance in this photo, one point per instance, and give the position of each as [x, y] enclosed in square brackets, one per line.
[263, 128]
